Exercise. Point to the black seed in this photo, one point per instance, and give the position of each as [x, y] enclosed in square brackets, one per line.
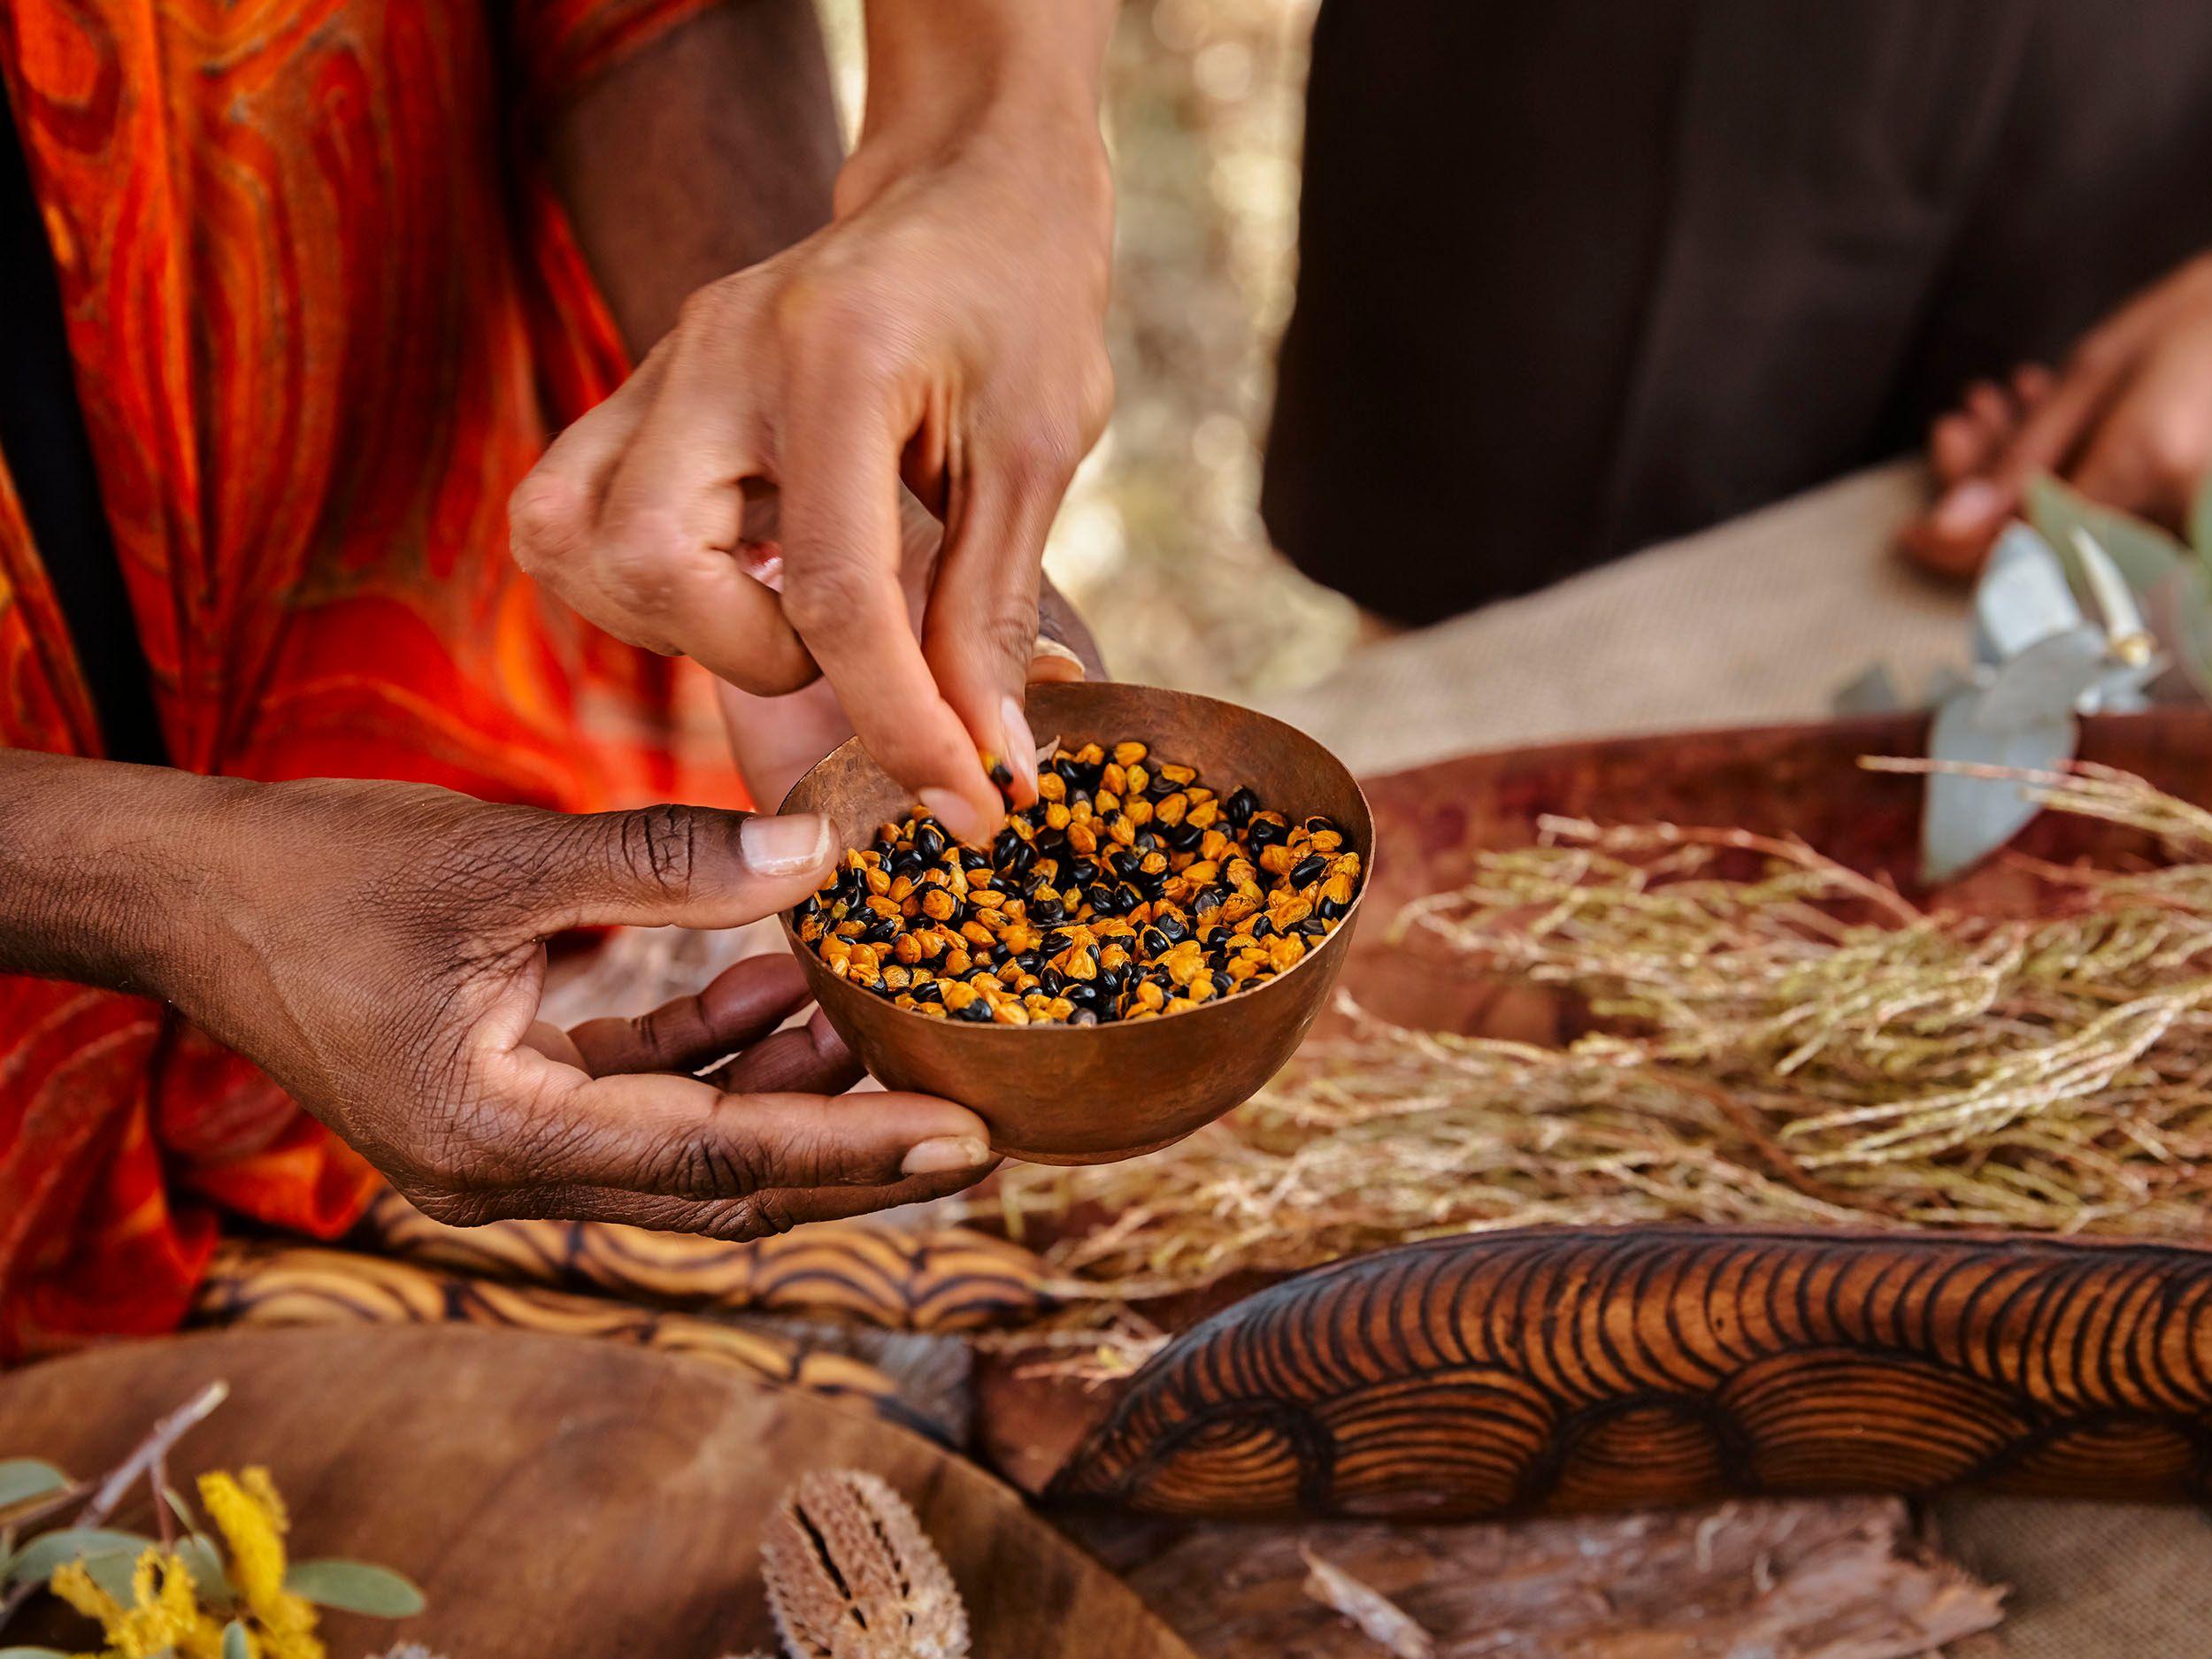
[1320, 826]
[1184, 838]
[1157, 789]
[1155, 941]
[1047, 912]
[1111, 980]
[929, 841]
[1002, 775]
[1053, 980]
[1101, 898]
[1174, 928]
[1239, 807]
[1147, 841]
[1003, 846]
[1153, 886]
[1127, 897]
[971, 859]
[976, 1013]
[1029, 960]
[1082, 872]
[1331, 909]
[1314, 927]
[1266, 834]
[882, 931]
[928, 992]
[1308, 869]
[1084, 994]
[1261, 927]
[1222, 984]
[1083, 1017]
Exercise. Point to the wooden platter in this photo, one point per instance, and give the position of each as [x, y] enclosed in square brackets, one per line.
[559, 1495]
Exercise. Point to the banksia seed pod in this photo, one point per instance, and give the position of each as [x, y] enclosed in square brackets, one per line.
[851, 1575]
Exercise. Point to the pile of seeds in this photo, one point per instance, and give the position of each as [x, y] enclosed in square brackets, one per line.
[1130, 890]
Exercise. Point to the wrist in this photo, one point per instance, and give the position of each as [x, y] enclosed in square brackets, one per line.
[957, 79]
[106, 870]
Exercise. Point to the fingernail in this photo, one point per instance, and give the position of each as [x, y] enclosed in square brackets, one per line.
[1049, 660]
[945, 1154]
[1021, 744]
[958, 814]
[1969, 506]
[784, 846]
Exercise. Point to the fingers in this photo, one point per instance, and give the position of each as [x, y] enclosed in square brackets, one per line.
[754, 1216]
[633, 516]
[667, 539]
[678, 1138]
[982, 627]
[1065, 650]
[2149, 453]
[809, 1059]
[839, 458]
[741, 1005]
[667, 866]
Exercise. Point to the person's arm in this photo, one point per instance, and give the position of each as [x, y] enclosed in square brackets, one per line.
[377, 948]
[944, 327]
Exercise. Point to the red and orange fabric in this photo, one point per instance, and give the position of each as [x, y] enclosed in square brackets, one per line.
[324, 314]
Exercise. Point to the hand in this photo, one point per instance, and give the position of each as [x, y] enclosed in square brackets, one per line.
[776, 740]
[2127, 421]
[945, 330]
[378, 950]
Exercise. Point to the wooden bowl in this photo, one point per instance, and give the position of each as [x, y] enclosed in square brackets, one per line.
[1091, 1095]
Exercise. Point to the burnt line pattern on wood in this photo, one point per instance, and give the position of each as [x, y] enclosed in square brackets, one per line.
[900, 1278]
[1553, 1370]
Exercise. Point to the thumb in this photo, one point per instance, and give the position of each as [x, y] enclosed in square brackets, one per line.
[680, 866]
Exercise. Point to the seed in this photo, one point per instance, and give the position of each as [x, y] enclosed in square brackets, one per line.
[1129, 890]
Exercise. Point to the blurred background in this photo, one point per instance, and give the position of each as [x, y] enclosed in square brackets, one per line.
[1160, 542]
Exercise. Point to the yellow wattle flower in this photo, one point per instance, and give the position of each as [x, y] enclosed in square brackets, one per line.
[251, 1537]
[74, 1585]
[164, 1616]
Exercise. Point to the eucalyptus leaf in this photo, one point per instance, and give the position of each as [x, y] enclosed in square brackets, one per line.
[23, 1479]
[2180, 610]
[235, 1646]
[2143, 551]
[2024, 597]
[1873, 692]
[35, 1562]
[354, 1586]
[1967, 818]
[201, 1560]
[113, 1572]
[2042, 684]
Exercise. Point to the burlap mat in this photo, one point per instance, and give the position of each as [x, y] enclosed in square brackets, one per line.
[1763, 619]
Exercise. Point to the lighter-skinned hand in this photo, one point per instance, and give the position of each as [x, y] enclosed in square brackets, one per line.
[2127, 420]
[944, 332]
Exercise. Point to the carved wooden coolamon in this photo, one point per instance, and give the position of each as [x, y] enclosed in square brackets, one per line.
[1555, 1370]
[1514, 1372]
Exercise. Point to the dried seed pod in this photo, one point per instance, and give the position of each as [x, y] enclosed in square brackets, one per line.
[851, 1575]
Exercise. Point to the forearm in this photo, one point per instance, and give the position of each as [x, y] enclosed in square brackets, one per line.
[943, 65]
[101, 864]
[705, 153]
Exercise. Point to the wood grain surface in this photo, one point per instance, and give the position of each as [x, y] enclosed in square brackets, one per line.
[561, 1496]
[1553, 1370]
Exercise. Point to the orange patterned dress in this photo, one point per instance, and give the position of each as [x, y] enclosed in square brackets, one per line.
[323, 312]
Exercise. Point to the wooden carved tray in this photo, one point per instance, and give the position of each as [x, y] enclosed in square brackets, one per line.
[557, 1494]
[1506, 1373]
